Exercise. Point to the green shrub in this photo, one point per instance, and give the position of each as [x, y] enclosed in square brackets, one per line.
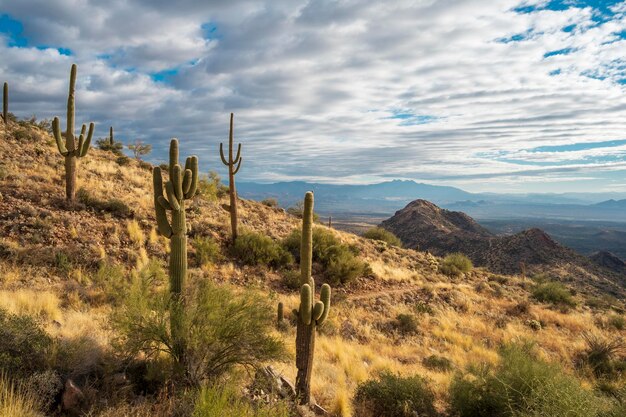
[406, 324]
[291, 278]
[340, 265]
[253, 248]
[114, 206]
[122, 160]
[209, 186]
[207, 250]
[394, 396]
[224, 401]
[378, 233]
[105, 145]
[455, 264]
[520, 386]
[222, 328]
[112, 280]
[438, 363]
[554, 293]
[24, 346]
[270, 202]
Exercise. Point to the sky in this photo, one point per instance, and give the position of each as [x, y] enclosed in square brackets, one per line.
[489, 96]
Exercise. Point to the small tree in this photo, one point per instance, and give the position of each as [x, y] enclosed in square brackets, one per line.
[140, 148]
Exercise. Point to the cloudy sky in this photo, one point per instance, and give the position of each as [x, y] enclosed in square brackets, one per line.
[504, 96]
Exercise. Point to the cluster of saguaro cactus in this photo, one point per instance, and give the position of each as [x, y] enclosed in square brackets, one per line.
[181, 186]
[310, 313]
[233, 167]
[5, 103]
[71, 149]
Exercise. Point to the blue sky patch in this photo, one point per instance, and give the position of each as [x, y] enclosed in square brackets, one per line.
[564, 51]
[12, 29]
[410, 119]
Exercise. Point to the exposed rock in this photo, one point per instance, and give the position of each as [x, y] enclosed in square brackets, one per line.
[72, 398]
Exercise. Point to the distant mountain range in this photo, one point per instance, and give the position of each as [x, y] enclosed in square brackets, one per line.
[387, 197]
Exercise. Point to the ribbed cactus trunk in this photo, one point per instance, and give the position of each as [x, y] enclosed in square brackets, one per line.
[181, 186]
[305, 332]
[111, 140]
[233, 168]
[71, 149]
[5, 103]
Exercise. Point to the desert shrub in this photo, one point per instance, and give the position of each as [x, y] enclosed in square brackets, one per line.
[553, 293]
[423, 308]
[394, 396]
[122, 160]
[455, 264]
[291, 278]
[438, 363]
[112, 280]
[253, 248]
[378, 233]
[24, 346]
[617, 322]
[604, 356]
[221, 329]
[45, 387]
[224, 401]
[270, 202]
[105, 145]
[406, 324]
[207, 250]
[339, 261]
[114, 206]
[16, 401]
[209, 186]
[520, 386]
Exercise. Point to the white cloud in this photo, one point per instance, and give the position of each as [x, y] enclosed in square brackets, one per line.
[314, 85]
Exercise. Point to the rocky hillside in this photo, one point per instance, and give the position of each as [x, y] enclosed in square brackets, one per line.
[425, 226]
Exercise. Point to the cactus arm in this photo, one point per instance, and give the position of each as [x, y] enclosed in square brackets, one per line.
[177, 182]
[87, 143]
[57, 136]
[187, 181]
[171, 196]
[224, 161]
[238, 154]
[238, 166]
[325, 300]
[194, 178]
[318, 310]
[164, 203]
[162, 224]
[305, 304]
[81, 140]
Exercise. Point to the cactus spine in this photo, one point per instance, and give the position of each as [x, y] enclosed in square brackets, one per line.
[181, 186]
[311, 313]
[233, 168]
[5, 103]
[71, 149]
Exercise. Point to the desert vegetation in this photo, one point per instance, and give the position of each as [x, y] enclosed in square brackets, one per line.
[145, 298]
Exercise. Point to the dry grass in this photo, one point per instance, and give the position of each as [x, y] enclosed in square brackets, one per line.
[40, 304]
[15, 401]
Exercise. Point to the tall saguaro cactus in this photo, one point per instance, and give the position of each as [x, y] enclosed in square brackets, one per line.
[181, 186]
[233, 168]
[5, 103]
[111, 140]
[310, 313]
[71, 149]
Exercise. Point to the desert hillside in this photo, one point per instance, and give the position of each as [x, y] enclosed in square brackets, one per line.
[68, 268]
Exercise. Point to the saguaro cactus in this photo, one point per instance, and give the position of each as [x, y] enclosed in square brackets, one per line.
[311, 313]
[111, 140]
[71, 149]
[5, 103]
[181, 186]
[233, 168]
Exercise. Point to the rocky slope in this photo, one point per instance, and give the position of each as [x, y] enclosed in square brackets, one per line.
[425, 226]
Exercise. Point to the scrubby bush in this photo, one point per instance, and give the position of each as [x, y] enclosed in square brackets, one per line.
[291, 278]
[394, 396]
[554, 293]
[221, 328]
[210, 186]
[617, 322]
[253, 248]
[406, 324]
[122, 160]
[270, 202]
[378, 233]
[207, 250]
[340, 263]
[520, 386]
[112, 280]
[604, 356]
[24, 346]
[438, 363]
[105, 145]
[114, 206]
[455, 264]
[224, 401]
